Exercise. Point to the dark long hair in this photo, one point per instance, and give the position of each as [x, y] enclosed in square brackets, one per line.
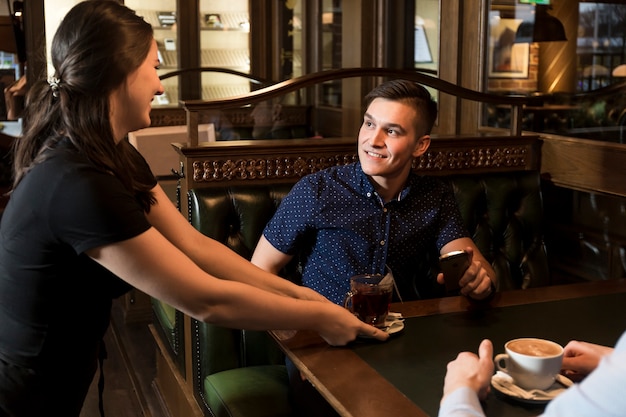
[97, 45]
[411, 93]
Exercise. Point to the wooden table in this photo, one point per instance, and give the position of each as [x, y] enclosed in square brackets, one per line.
[404, 376]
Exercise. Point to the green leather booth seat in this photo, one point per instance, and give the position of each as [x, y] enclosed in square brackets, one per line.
[237, 373]
[504, 215]
[251, 391]
[241, 373]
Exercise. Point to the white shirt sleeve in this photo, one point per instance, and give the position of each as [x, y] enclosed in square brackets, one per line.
[601, 393]
[462, 402]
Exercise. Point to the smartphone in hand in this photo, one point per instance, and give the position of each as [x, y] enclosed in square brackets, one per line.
[453, 265]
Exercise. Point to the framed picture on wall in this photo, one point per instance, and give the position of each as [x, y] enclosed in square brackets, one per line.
[422, 49]
[507, 59]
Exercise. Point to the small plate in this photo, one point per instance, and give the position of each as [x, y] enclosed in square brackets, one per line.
[504, 384]
[393, 324]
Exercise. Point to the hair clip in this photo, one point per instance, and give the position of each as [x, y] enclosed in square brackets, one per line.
[54, 83]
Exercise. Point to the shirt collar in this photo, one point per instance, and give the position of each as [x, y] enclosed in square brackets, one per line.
[367, 188]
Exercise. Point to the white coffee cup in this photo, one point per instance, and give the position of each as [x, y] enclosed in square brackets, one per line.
[532, 363]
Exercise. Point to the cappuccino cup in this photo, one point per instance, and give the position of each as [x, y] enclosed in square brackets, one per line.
[532, 363]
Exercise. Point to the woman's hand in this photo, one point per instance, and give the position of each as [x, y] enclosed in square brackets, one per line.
[338, 326]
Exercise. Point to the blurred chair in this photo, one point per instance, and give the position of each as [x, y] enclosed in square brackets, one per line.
[595, 76]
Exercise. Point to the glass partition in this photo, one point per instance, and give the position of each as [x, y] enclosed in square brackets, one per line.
[331, 23]
[224, 34]
[426, 38]
[427, 35]
[571, 62]
[224, 43]
[600, 45]
[161, 14]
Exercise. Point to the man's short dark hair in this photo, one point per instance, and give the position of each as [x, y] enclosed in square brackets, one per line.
[410, 92]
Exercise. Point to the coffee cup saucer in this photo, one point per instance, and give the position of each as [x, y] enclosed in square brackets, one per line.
[504, 384]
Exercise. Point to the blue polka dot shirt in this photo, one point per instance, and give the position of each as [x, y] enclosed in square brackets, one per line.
[336, 215]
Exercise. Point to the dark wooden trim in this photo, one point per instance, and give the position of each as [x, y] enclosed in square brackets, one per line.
[398, 21]
[511, 298]
[262, 61]
[246, 161]
[168, 116]
[176, 392]
[190, 86]
[584, 164]
[35, 35]
[253, 80]
[196, 107]
[342, 73]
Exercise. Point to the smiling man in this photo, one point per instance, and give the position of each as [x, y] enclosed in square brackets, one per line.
[374, 215]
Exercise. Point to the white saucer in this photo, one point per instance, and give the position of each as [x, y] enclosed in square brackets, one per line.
[504, 384]
[393, 324]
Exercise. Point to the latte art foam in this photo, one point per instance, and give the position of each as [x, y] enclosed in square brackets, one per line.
[534, 347]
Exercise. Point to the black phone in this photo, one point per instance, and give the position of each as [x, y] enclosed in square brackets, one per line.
[453, 265]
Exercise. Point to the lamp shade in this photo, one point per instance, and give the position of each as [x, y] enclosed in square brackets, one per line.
[545, 28]
[619, 71]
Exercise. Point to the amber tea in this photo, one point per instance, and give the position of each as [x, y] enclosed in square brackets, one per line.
[368, 300]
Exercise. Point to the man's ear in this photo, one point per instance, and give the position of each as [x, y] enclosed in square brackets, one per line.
[421, 146]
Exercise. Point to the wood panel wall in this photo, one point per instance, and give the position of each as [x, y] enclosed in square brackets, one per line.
[584, 164]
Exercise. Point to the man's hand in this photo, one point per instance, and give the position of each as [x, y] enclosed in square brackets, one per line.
[475, 282]
[581, 358]
[469, 370]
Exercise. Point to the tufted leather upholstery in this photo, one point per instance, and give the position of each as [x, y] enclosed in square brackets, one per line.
[503, 213]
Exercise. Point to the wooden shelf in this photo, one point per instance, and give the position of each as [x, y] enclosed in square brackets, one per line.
[230, 21]
[228, 58]
[225, 58]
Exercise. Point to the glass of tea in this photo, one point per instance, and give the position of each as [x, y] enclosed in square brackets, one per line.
[369, 298]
